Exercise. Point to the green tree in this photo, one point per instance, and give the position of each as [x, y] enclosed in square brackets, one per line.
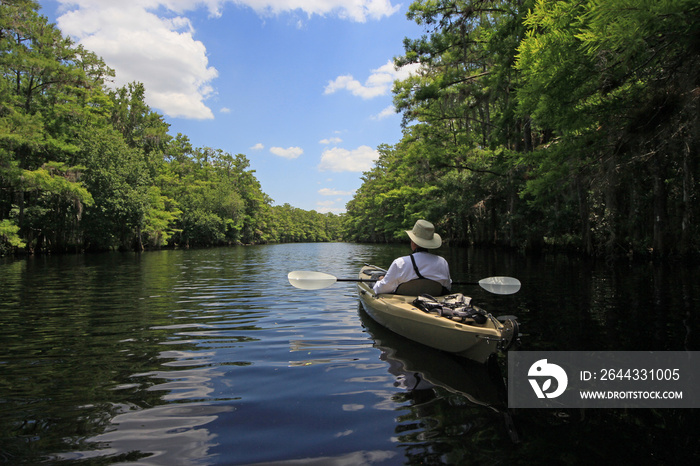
[145, 131]
[47, 87]
[117, 177]
[614, 81]
[545, 122]
[461, 111]
[9, 239]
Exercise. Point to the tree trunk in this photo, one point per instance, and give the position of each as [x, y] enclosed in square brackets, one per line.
[527, 134]
[584, 218]
[687, 203]
[611, 207]
[659, 242]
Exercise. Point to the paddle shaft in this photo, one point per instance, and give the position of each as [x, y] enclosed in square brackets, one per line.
[490, 284]
[374, 281]
[307, 280]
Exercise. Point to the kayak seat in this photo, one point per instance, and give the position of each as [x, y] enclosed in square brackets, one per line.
[421, 286]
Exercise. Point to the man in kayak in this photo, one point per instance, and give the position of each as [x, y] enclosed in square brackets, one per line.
[420, 265]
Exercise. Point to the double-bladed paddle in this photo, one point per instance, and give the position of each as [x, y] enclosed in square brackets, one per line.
[307, 280]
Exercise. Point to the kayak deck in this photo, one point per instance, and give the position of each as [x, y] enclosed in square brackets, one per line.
[464, 337]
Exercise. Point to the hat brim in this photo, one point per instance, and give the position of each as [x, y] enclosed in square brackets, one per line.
[434, 243]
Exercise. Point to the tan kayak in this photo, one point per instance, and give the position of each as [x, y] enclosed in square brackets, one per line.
[458, 334]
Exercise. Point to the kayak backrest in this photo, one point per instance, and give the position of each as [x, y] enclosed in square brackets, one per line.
[420, 286]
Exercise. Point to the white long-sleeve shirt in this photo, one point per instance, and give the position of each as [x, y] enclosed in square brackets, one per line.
[401, 270]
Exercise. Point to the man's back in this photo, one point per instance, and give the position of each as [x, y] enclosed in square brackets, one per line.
[402, 270]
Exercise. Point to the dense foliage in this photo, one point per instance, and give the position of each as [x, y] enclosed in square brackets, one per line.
[569, 123]
[83, 167]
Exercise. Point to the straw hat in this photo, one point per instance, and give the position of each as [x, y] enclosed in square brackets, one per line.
[423, 234]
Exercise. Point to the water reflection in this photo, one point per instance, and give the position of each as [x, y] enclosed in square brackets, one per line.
[96, 348]
[446, 401]
[327, 351]
[418, 367]
[356, 458]
[170, 434]
[210, 357]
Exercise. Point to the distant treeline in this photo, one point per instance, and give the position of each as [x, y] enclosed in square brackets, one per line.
[546, 123]
[85, 168]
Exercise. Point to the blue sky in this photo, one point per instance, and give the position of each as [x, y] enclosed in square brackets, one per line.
[301, 87]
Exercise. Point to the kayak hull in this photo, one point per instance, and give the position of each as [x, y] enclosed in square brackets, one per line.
[466, 339]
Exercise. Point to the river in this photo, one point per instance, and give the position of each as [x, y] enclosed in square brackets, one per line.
[211, 357]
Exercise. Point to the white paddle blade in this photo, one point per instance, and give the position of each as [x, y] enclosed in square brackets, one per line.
[500, 285]
[305, 280]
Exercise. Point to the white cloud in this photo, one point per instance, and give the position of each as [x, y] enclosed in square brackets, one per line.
[258, 146]
[288, 153]
[141, 46]
[343, 160]
[355, 10]
[327, 206]
[379, 82]
[334, 192]
[355, 87]
[152, 41]
[225, 110]
[330, 141]
[386, 113]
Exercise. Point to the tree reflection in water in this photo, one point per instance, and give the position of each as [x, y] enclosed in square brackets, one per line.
[451, 409]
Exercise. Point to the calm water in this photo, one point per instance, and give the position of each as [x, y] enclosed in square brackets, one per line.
[211, 357]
